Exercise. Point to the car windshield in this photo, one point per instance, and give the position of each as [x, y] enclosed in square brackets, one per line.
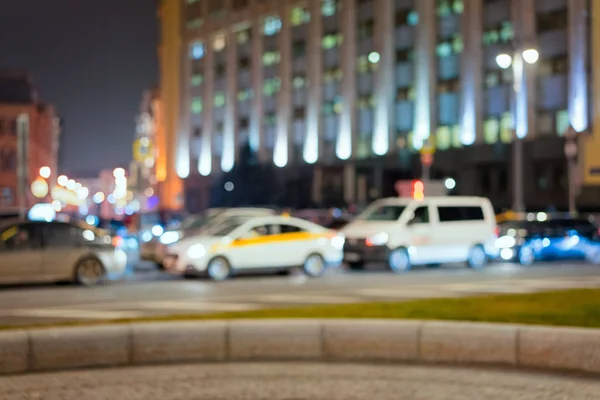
[226, 227]
[193, 222]
[383, 213]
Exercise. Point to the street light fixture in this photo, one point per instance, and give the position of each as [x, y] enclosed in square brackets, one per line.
[505, 61]
[45, 172]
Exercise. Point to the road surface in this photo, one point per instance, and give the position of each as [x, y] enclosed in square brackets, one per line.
[152, 293]
[297, 381]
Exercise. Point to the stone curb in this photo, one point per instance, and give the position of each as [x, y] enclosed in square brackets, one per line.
[335, 340]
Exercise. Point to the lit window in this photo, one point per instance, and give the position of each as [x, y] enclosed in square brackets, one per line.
[457, 44]
[332, 40]
[491, 129]
[456, 142]
[219, 42]
[244, 95]
[299, 16]
[562, 122]
[197, 80]
[443, 8]
[444, 49]
[196, 105]
[197, 51]
[442, 138]
[272, 25]
[219, 99]
[299, 82]
[271, 58]
[412, 18]
[243, 37]
[328, 8]
[194, 23]
[458, 7]
[506, 128]
[492, 79]
[507, 32]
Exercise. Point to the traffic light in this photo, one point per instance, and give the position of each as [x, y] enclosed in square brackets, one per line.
[418, 190]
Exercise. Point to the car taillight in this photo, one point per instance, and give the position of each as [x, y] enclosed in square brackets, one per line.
[497, 231]
[117, 241]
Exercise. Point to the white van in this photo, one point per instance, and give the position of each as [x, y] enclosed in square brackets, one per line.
[405, 232]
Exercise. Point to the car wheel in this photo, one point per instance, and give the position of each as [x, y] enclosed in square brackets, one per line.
[314, 265]
[89, 271]
[526, 255]
[218, 269]
[477, 257]
[399, 260]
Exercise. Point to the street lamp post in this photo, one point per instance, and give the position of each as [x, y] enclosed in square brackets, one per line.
[517, 62]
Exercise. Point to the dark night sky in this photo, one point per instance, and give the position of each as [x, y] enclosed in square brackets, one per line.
[92, 59]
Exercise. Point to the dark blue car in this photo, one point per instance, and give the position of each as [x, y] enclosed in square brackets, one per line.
[552, 239]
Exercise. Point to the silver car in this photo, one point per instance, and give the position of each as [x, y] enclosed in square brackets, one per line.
[32, 251]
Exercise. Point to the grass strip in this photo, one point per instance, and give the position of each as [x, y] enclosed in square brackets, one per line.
[579, 308]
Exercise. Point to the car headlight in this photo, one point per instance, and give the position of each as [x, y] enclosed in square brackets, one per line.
[338, 241]
[505, 242]
[379, 239]
[196, 251]
[170, 237]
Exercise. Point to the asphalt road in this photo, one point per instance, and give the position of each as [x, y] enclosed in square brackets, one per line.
[149, 292]
[297, 381]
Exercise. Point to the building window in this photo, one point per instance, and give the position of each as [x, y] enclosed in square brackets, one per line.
[197, 105]
[299, 82]
[219, 42]
[271, 86]
[271, 58]
[332, 40]
[562, 122]
[194, 23]
[244, 95]
[448, 7]
[412, 18]
[502, 34]
[272, 25]
[197, 51]
[491, 130]
[443, 139]
[299, 16]
[197, 79]
[506, 128]
[328, 8]
[219, 99]
[8, 160]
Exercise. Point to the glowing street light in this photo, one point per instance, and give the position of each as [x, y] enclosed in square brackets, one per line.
[119, 173]
[63, 180]
[504, 60]
[531, 56]
[45, 172]
[516, 61]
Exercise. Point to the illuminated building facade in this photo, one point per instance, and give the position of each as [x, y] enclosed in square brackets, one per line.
[342, 94]
[30, 128]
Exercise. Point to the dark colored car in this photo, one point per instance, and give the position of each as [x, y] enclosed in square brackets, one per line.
[552, 239]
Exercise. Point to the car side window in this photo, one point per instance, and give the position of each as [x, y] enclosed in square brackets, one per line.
[20, 237]
[421, 215]
[285, 228]
[62, 235]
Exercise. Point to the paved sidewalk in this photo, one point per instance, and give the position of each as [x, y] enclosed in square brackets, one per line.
[296, 381]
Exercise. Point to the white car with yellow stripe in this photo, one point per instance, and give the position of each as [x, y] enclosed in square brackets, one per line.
[271, 243]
